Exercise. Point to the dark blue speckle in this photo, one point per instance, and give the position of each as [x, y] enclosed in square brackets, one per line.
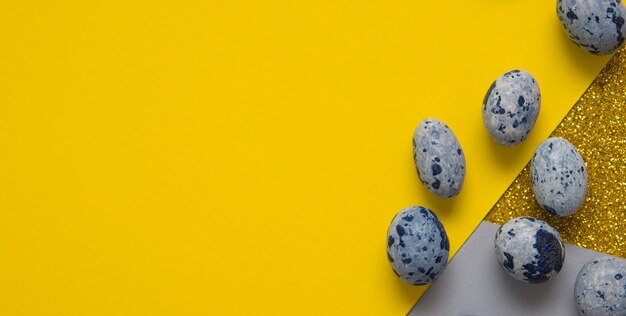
[549, 258]
[436, 168]
[400, 230]
[550, 252]
[549, 209]
[509, 261]
[532, 274]
[571, 16]
[436, 184]
[445, 243]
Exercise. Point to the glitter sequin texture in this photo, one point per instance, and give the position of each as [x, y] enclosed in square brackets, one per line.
[596, 125]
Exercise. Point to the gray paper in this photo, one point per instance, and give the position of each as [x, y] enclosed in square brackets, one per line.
[475, 284]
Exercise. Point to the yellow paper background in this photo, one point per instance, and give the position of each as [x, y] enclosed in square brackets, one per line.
[246, 157]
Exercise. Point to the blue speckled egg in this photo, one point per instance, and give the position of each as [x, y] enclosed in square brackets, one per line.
[529, 249]
[417, 245]
[439, 159]
[601, 287]
[595, 25]
[511, 107]
[558, 176]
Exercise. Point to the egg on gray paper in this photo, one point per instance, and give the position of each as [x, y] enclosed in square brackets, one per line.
[601, 287]
[529, 249]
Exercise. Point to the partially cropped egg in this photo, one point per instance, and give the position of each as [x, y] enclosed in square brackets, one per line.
[601, 287]
[596, 26]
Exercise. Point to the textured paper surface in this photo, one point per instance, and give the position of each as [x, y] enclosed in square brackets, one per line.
[246, 157]
[475, 284]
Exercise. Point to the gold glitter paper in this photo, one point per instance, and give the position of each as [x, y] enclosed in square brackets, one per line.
[596, 125]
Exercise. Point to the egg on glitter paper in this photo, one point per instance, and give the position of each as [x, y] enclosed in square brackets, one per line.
[601, 287]
[558, 177]
[597, 26]
[417, 245]
[511, 107]
[529, 249]
[438, 157]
